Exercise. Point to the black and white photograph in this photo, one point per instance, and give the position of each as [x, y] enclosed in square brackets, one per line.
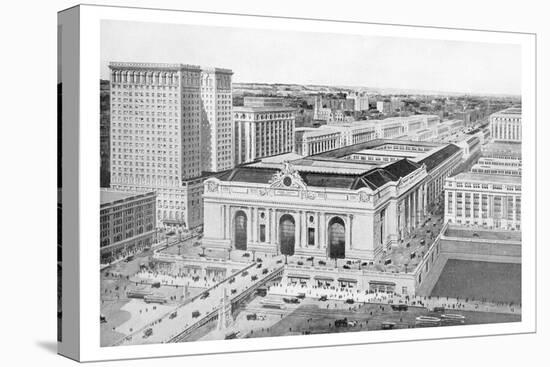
[264, 183]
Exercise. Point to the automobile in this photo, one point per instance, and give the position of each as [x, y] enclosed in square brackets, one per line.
[399, 307]
[251, 316]
[233, 291]
[365, 264]
[155, 285]
[413, 255]
[258, 260]
[205, 295]
[301, 296]
[346, 267]
[232, 335]
[387, 325]
[350, 301]
[291, 300]
[147, 333]
[321, 262]
[348, 262]
[129, 258]
[246, 254]
[202, 255]
[195, 314]
[265, 271]
[323, 298]
[309, 258]
[171, 233]
[173, 315]
[352, 323]
[231, 280]
[244, 273]
[259, 266]
[102, 319]
[438, 309]
[279, 261]
[387, 261]
[422, 242]
[261, 291]
[254, 277]
[299, 263]
[341, 322]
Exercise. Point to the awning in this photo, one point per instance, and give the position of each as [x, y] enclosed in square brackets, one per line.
[377, 282]
[320, 277]
[173, 221]
[302, 276]
[350, 280]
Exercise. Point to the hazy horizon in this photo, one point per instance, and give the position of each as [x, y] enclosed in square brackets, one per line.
[308, 58]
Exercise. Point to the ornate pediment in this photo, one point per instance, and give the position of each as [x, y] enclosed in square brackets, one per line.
[287, 178]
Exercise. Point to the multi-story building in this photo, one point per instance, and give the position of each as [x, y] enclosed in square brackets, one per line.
[104, 134]
[509, 151]
[127, 223]
[311, 141]
[217, 120]
[389, 128]
[506, 125]
[384, 107]
[488, 200]
[360, 100]
[329, 204]
[262, 131]
[158, 121]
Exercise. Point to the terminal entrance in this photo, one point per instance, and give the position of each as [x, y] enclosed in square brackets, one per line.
[337, 238]
[240, 230]
[287, 234]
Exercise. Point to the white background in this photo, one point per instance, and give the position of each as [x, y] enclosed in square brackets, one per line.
[28, 118]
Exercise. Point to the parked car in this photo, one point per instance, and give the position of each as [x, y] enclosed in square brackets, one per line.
[350, 301]
[147, 333]
[102, 319]
[254, 277]
[231, 280]
[251, 316]
[233, 291]
[246, 254]
[341, 322]
[173, 315]
[244, 273]
[258, 260]
[301, 296]
[438, 309]
[205, 295]
[291, 300]
[321, 262]
[387, 261]
[155, 285]
[310, 258]
[299, 263]
[195, 314]
[387, 325]
[323, 298]
[400, 307]
[346, 267]
[259, 266]
[265, 271]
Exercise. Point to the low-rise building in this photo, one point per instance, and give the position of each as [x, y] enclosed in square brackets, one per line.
[488, 200]
[127, 223]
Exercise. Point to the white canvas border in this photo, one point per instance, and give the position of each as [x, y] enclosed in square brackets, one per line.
[91, 17]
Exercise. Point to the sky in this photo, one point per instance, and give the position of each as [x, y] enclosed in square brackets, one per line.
[275, 56]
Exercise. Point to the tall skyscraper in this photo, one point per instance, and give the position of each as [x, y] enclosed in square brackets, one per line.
[167, 121]
[217, 120]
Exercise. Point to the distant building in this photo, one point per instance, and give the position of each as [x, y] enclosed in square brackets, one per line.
[104, 133]
[263, 127]
[384, 107]
[488, 200]
[127, 223]
[311, 141]
[508, 151]
[360, 100]
[506, 125]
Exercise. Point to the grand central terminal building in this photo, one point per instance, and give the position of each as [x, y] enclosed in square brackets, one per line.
[353, 202]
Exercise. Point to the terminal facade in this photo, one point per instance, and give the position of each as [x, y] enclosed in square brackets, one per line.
[330, 204]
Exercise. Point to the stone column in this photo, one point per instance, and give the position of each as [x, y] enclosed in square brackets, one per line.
[318, 231]
[322, 232]
[348, 234]
[303, 218]
[254, 224]
[351, 231]
[272, 226]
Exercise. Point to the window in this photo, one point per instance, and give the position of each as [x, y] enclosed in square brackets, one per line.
[311, 236]
[262, 232]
